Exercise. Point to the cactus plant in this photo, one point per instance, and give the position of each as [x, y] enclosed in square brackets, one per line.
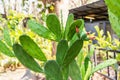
[55, 26]
[52, 70]
[33, 48]
[114, 14]
[70, 42]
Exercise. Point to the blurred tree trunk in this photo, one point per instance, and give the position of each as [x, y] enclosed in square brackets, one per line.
[5, 13]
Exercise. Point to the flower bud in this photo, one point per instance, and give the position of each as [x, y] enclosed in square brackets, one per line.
[92, 38]
[87, 33]
[77, 30]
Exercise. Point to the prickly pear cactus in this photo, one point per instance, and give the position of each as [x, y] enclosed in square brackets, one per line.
[114, 14]
[52, 70]
[70, 42]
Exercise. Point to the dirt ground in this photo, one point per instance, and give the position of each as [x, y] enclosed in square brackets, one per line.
[12, 75]
[21, 72]
[18, 74]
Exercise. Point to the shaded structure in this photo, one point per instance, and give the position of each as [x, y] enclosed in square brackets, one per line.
[94, 14]
[95, 11]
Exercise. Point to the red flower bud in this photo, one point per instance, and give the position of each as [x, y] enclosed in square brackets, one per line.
[77, 30]
[87, 33]
[92, 38]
